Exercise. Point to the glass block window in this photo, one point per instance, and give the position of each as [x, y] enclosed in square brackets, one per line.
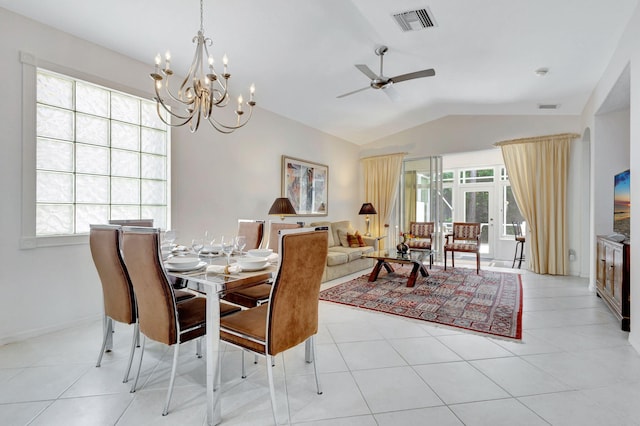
[100, 154]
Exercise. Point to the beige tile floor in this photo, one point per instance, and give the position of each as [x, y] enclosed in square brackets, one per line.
[574, 367]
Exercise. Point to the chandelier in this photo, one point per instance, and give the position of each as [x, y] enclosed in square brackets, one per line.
[201, 90]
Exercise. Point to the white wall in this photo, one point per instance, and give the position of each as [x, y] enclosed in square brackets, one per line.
[220, 178]
[611, 154]
[626, 54]
[216, 180]
[464, 133]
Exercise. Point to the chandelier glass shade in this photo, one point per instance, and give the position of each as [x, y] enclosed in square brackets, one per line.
[201, 92]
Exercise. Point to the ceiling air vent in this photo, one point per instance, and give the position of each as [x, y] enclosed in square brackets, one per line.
[413, 20]
[548, 106]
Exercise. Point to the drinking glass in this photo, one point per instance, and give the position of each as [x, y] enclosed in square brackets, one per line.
[169, 237]
[207, 249]
[241, 242]
[197, 244]
[227, 247]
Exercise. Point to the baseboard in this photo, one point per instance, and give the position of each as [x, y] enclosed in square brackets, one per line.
[634, 340]
[24, 335]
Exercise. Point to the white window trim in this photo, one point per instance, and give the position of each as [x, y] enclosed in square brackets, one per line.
[30, 64]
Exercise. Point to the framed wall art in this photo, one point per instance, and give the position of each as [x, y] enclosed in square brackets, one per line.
[306, 185]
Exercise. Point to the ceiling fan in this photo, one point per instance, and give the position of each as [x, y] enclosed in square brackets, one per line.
[382, 82]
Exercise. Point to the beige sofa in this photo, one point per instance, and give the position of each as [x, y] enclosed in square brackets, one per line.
[341, 259]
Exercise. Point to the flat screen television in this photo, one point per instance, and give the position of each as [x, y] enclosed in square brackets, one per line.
[622, 204]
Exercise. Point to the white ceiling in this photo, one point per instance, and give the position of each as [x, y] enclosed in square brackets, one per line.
[301, 53]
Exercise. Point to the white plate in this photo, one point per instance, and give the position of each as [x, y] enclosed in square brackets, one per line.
[183, 261]
[182, 268]
[253, 266]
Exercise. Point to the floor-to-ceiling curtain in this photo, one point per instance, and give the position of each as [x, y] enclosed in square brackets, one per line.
[381, 180]
[538, 170]
[410, 198]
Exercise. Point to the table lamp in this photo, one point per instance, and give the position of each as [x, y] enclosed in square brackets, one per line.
[283, 207]
[367, 209]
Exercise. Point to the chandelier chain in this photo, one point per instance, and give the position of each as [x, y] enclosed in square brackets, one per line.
[201, 16]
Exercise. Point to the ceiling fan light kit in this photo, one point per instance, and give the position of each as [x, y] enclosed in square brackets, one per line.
[379, 81]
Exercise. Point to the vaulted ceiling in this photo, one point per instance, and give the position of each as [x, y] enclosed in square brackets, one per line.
[301, 53]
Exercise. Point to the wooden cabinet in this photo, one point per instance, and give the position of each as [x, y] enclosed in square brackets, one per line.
[612, 277]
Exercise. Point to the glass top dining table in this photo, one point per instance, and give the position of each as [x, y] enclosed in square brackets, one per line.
[216, 285]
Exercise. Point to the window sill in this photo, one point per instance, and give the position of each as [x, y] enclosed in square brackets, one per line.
[28, 243]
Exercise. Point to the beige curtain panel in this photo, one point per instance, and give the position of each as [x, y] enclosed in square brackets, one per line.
[410, 198]
[538, 169]
[381, 180]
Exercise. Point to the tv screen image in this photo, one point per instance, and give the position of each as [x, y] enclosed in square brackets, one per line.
[621, 204]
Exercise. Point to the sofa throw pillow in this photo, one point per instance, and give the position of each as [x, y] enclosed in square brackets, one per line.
[352, 240]
[342, 235]
[355, 240]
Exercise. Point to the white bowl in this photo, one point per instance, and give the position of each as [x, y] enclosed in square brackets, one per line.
[183, 261]
[250, 263]
[259, 252]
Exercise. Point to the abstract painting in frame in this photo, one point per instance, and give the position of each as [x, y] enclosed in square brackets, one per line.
[306, 185]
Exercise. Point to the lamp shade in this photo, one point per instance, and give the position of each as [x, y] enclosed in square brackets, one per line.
[282, 207]
[367, 208]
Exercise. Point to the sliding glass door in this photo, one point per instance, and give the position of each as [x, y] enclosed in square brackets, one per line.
[477, 204]
[462, 194]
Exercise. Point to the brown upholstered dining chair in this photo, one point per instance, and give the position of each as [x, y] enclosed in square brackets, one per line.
[422, 237]
[253, 231]
[160, 317]
[274, 233]
[253, 296]
[465, 237]
[291, 316]
[257, 295]
[105, 242]
[117, 292]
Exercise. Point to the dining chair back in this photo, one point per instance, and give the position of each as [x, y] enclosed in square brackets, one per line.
[273, 239]
[159, 316]
[132, 222]
[465, 237]
[291, 316]
[253, 230]
[117, 291]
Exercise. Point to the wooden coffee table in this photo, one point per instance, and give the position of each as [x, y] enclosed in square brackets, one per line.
[386, 257]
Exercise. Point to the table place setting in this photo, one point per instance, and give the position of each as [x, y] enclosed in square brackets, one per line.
[224, 269]
[184, 263]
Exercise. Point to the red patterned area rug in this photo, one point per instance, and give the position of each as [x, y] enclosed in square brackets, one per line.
[489, 303]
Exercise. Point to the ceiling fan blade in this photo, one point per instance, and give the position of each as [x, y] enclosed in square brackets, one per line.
[355, 91]
[367, 71]
[410, 76]
[392, 93]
